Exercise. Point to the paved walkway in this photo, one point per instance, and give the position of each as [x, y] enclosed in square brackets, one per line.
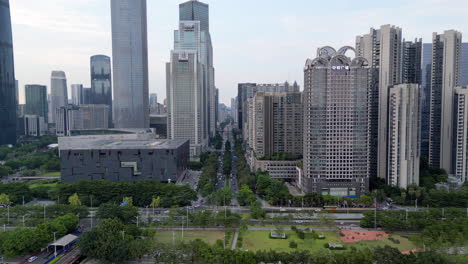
[234, 241]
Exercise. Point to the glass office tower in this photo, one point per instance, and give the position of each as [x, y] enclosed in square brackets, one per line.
[101, 82]
[8, 103]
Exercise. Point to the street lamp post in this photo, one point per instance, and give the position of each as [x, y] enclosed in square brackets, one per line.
[55, 244]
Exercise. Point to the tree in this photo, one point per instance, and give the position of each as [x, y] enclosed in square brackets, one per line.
[107, 242]
[245, 196]
[156, 202]
[256, 210]
[5, 199]
[127, 214]
[74, 200]
[128, 201]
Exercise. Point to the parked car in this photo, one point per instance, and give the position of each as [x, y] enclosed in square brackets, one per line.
[32, 259]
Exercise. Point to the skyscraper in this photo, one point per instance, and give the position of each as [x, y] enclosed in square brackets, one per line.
[101, 82]
[130, 63]
[411, 67]
[460, 155]
[8, 104]
[58, 92]
[445, 75]
[185, 119]
[425, 97]
[36, 101]
[336, 123]
[77, 94]
[194, 10]
[383, 50]
[464, 65]
[404, 135]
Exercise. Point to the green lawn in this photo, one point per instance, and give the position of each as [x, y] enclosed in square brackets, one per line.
[259, 240]
[50, 174]
[208, 236]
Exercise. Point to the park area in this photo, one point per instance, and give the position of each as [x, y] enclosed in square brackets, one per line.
[259, 240]
[208, 236]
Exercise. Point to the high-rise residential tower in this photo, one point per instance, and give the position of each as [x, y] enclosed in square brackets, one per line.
[404, 135]
[8, 103]
[58, 92]
[445, 76]
[276, 126]
[336, 123]
[460, 155]
[36, 101]
[77, 94]
[425, 97]
[101, 82]
[383, 50]
[130, 63]
[411, 67]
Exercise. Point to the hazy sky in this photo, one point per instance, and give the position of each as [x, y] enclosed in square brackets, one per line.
[263, 41]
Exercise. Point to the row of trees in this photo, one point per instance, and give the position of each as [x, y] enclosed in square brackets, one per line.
[24, 240]
[142, 193]
[208, 179]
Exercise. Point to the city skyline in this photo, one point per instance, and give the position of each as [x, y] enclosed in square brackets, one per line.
[82, 38]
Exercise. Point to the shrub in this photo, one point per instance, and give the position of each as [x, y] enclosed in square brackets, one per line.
[341, 234]
[292, 244]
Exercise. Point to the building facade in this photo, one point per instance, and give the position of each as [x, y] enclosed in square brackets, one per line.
[130, 63]
[336, 123]
[383, 50]
[404, 135]
[77, 94]
[101, 83]
[115, 158]
[276, 127]
[412, 59]
[460, 155]
[58, 93]
[34, 126]
[8, 103]
[426, 97]
[36, 101]
[445, 76]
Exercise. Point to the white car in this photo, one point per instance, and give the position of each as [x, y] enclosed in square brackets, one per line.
[32, 259]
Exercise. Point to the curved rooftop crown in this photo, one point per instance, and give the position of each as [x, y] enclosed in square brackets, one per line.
[329, 57]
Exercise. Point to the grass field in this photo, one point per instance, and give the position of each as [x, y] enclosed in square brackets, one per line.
[50, 174]
[208, 236]
[259, 240]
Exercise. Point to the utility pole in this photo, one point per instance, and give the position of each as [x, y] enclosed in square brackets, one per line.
[55, 245]
[23, 221]
[123, 234]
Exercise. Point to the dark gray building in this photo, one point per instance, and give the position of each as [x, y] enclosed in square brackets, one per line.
[101, 82]
[159, 124]
[411, 66]
[8, 103]
[425, 97]
[36, 101]
[122, 158]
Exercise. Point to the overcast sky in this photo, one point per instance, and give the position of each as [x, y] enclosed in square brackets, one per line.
[263, 41]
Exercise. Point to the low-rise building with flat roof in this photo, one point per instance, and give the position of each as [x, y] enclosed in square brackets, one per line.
[126, 157]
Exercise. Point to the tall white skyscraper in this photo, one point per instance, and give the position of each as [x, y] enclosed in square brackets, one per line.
[445, 76]
[383, 49]
[58, 93]
[130, 63]
[404, 135]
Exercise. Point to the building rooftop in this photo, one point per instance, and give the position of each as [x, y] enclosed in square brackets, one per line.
[126, 141]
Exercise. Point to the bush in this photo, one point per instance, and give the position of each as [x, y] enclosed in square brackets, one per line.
[395, 241]
[292, 244]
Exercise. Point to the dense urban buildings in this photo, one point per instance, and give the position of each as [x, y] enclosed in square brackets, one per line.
[130, 63]
[248, 90]
[58, 93]
[36, 101]
[158, 122]
[72, 117]
[425, 97]
[460, 155]
[404, 135]
[411, 67]
[382, 48]
[336, 123]
[8, 100]
[101, 83]
[122, 157]
[445, 76]
[34, 125]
